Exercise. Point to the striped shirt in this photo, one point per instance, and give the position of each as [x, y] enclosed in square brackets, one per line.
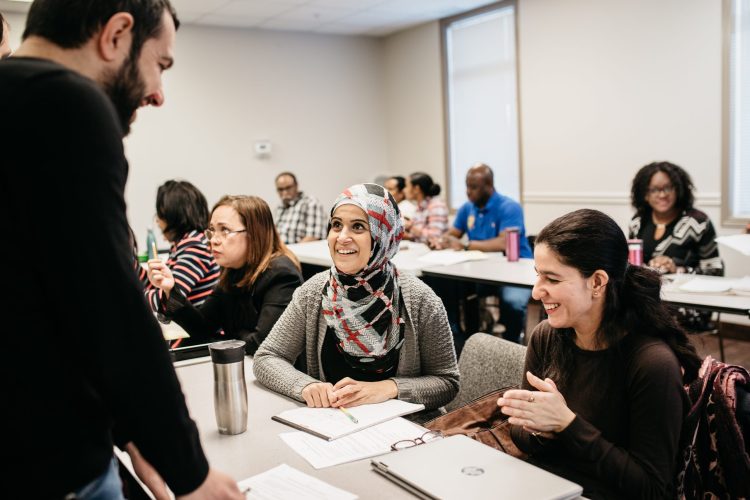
[430, 220]
[303, 217]
[194, 268]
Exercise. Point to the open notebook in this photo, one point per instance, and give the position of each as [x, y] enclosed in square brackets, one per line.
[332, 423]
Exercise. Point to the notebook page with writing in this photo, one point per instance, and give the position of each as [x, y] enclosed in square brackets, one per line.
[332, 423]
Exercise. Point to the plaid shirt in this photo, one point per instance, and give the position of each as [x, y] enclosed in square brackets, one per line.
[303, 217]
[430, 220]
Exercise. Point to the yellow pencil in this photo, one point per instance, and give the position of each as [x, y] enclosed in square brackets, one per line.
[351, 417]
[154, 251]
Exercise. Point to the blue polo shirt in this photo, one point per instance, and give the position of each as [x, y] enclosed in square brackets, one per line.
[486, 223]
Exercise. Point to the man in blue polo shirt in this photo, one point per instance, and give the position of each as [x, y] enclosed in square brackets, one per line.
[484, 218]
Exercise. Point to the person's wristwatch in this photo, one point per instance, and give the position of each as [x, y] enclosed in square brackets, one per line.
[466, 245]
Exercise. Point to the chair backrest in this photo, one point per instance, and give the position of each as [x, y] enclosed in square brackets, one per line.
[487, 363]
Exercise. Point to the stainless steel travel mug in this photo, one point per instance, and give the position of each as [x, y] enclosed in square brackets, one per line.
[230, 390]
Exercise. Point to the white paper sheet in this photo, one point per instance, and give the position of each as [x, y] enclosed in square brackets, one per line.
[739, 242]
[742, 286]
[287, 483]
[333, 423]
[448, 257]
[707, 285]
[371, 442]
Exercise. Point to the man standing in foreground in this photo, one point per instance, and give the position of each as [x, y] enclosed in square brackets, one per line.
[80, 367]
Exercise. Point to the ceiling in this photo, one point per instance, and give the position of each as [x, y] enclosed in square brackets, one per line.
[347, 17]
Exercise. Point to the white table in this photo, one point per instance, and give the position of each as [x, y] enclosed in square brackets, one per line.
[316, 253]
[716, 302]
[260, 448]
[495, 270]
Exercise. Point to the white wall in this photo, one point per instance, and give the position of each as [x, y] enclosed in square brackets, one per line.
[608, 86]
[605, 87]
[17, 22]
[317, 98]
[414, 102]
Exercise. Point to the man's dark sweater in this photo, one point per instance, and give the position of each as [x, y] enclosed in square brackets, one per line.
[76, 365]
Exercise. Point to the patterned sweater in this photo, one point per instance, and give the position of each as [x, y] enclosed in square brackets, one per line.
[427, 371]
[690, 240]
[194, 268]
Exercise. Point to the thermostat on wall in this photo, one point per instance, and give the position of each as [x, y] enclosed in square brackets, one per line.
[263, 149]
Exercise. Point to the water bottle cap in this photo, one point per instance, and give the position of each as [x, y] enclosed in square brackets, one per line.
[227, 351]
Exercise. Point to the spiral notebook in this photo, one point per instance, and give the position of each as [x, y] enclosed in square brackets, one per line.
[332, 423]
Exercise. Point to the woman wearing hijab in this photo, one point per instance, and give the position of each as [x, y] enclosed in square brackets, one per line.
[367, 333]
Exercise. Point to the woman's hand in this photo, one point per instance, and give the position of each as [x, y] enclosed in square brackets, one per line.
[160, 275]
[541, 411]
[319, 395]
[350, 392]
[663, 264]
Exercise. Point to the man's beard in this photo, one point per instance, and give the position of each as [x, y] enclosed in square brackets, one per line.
[126, 90]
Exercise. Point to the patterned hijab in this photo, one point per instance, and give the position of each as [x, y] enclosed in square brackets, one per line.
[363, 309]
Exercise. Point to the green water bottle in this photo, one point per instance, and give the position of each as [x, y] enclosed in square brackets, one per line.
[151, 245]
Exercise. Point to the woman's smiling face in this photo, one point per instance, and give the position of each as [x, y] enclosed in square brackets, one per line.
[349, 239]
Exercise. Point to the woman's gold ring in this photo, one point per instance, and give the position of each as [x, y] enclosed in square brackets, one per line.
[531, 398]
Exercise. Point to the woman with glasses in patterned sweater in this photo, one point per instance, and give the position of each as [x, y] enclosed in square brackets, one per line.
[258, 277]
[677, 238]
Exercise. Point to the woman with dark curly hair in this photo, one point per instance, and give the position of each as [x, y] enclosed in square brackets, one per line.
[603, 402]
[677, 238]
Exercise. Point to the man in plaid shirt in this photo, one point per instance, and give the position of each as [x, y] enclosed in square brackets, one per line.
[299, 218]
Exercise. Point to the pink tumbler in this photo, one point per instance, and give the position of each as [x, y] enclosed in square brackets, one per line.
[512, 243]
[635, 252]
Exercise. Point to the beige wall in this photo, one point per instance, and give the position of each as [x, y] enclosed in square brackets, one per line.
[605, 87]
[318, 99]
[414, 108]
[608, 86]
[17, 22]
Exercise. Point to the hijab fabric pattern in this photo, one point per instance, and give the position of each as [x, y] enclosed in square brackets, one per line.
[363, 309]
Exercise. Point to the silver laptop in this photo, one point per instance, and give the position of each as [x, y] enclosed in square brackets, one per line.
[459, 467]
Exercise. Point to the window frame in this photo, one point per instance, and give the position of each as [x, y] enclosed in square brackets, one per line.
[445, 23]
[728, 218]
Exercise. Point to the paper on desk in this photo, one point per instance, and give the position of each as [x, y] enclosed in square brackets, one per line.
[739, 242]
[371, 442]
[448, 257]
[173, 331]
[287, 483]
[742, 286]
[332, 423]
[707, 285]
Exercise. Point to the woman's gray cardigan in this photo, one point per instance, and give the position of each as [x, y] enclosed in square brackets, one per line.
[427, 372]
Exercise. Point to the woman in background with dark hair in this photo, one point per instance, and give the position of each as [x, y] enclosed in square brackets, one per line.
[677, 238]
[182, 216]
[430, 220]
[258, 277]
[603, 402]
